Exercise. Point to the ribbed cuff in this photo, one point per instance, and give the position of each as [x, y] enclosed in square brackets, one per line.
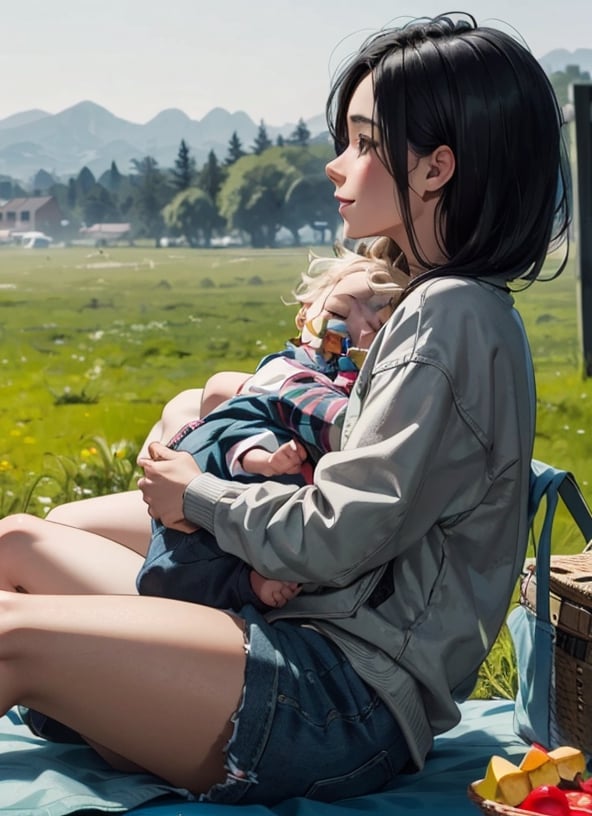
[201, 497]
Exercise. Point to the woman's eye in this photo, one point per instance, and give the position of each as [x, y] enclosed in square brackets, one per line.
[364, 144]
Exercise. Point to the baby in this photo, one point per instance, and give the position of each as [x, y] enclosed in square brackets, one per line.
[283, 418]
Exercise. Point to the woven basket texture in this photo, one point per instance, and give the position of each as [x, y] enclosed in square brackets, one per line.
[570, 580]
[495, 808]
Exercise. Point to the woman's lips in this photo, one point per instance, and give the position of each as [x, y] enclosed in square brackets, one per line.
[343, 203]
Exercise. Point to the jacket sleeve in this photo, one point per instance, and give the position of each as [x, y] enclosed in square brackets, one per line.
[369, 501]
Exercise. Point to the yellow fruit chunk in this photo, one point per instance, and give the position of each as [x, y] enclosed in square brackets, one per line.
[504, 782]
[540, 769]
[569, 761]
[533, 759]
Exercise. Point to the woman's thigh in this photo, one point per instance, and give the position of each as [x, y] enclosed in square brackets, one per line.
[121, 517]
[149, 680]
[308, 725]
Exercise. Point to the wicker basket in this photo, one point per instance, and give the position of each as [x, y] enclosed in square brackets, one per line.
[495, 808]
[570, 584]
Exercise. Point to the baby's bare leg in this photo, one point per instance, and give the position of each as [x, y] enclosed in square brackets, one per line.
[221, 387]
[191, 404]
[178, 411]
[181, 409]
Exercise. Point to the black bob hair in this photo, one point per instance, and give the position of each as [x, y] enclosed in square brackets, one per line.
[447, 81]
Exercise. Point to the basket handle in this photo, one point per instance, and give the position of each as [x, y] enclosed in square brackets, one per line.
[551, 483]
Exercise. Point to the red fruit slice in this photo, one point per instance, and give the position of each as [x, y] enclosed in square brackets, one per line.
[547, 800]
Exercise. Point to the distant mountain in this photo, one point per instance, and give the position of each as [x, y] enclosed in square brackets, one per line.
[560, 58]
[87, 134]
[24, 118]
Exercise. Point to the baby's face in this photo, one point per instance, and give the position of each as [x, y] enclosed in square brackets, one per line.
[351, 304]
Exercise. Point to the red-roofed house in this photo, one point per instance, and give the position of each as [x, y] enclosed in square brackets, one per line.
[33, 214]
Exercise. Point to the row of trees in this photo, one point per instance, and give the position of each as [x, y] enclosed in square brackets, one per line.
[252, 192]
[255, 193]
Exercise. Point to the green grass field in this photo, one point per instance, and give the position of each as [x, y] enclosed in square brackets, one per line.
[92, 343]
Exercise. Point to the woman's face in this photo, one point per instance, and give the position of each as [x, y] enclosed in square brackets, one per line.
[364, 187]
[366, 191]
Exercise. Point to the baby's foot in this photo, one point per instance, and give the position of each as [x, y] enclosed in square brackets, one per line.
[271, 592]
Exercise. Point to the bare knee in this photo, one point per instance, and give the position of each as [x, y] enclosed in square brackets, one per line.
[182, 408]
[221, 387]
[17, 530]
[18, 533]
[19, 523]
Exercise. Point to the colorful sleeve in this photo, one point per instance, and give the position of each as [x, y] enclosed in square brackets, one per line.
[311, 407]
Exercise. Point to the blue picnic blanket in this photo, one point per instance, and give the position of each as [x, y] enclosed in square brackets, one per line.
[38, 778]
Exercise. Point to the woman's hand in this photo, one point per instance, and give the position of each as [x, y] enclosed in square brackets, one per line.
[166, 475]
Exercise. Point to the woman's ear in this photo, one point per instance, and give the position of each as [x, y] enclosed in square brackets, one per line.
[441, 164]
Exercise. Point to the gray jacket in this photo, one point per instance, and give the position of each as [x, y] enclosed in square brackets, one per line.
[410, 540]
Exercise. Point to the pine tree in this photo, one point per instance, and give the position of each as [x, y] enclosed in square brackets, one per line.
[115, 177]
[211, 176]
[151, 193]
[184, 171]
[262, 140]
[235, 150]
[72, 195]
[300, 135]
[85, 181]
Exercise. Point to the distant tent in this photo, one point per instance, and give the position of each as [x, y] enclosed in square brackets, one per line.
[107, 233]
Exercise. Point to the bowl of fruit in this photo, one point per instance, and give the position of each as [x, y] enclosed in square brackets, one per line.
[547, 783]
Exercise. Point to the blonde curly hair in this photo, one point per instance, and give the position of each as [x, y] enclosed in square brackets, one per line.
[382, 260]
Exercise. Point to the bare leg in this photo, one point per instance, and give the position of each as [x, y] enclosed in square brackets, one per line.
[151, 683]
[121, 517]
[191, 404]
[154, 681]
[178, 411]
[221, 387]
[38, 556]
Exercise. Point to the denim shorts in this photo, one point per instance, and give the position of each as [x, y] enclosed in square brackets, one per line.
[307, 724]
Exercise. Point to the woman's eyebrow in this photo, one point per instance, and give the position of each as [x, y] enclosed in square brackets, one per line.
[358, 119]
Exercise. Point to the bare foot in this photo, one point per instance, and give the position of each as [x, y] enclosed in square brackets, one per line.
[271, 592]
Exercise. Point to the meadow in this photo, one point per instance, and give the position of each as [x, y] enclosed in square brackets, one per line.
[93, 342]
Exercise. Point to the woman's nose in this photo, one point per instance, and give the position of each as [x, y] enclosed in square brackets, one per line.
[333, 172]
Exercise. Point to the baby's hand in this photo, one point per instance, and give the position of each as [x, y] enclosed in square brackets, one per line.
[287, 459]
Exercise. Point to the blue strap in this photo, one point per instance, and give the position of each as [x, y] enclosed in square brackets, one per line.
[551, 483]
[545, 480]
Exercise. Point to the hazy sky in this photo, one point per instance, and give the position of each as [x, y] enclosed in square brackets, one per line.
[270, 58]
